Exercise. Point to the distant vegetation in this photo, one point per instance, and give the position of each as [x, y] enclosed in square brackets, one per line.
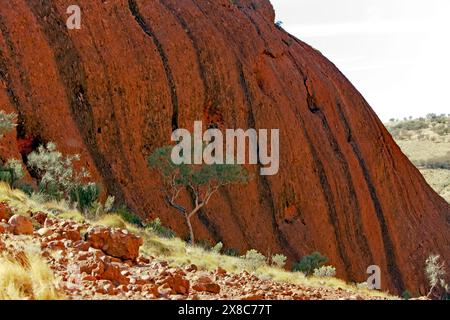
[433, 127]
[426, 142]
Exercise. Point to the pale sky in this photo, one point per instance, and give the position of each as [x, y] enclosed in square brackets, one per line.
[395, 52]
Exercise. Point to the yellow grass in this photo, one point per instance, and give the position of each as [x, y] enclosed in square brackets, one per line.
[35, 281]
[28, 278]
[22, 204]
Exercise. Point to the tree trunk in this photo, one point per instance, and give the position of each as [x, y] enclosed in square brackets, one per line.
[191, 231]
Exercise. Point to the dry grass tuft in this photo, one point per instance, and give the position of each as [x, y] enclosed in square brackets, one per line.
[26, 276]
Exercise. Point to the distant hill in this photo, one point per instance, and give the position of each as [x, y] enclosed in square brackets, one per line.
[426, 141]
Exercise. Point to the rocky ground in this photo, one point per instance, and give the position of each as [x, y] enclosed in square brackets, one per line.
[92, 262]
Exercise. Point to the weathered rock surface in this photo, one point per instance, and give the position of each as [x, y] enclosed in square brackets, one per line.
[21, 224]
[5, 211]
[114, 90]
[117, 243]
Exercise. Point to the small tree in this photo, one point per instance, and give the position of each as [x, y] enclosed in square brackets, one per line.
[309, 263]
[202, 181]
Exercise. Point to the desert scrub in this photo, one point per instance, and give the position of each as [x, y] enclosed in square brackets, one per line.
[26, 276]
[7, 122]
[252, 260]
[58, 178]
[12, 171]
[278, 260]
[217, 248]
[435, 272]
[325, 272]
[157, 227]
[128, 215]
[309, 263]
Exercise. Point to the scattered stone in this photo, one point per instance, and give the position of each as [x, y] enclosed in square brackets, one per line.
[21, 224]
[44, 232]
[112, 273]
[143, 260]
[253, 297]
[191, 268]
[210, 287]
[81, 245]
[5, 211]
[220, 271]
[177, 283]
[115, 243]
[5, 228]
[39, 217]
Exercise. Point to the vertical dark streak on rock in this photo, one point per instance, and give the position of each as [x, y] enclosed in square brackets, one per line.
[212, 88]
[389, 250]
[264, 187]
[114, 121]
[356, 210]
[203, 218]
[72, 75]
[326, 187]
[394, 271]
[133, 7]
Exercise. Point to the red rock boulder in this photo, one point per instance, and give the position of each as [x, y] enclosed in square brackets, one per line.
[116, 243]
[21, 224]
[205, 284]
[5, 228]
[5, 211]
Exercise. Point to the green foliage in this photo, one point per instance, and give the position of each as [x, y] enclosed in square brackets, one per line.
[55, 172]
[254, 259]
[28, 189]
[406, 128]
[199, 175]
[325, 272]
[309, 263]
[157, 227]
[84, 195]
[201, 180]
[12, 172]
[279, 260]
[204, 243]
[406, 295]
[279, 24]
[434, 270]
[109, 204]
[7, 122]
[128, 216]
[218, 247]
[232, 252]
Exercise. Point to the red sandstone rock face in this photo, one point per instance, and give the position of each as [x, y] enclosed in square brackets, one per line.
[114, 90]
